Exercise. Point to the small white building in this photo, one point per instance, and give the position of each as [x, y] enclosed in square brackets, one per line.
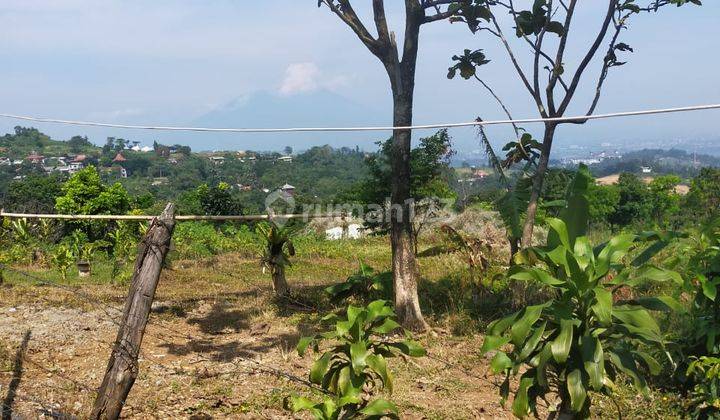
[285, 159]
[354, 231]
[646, 169]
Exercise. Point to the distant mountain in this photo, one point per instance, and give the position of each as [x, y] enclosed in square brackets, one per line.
[265, 110]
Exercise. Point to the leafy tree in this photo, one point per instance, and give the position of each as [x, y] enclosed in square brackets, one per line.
[400, 64]
[430, 164]
[218, 200]
[584, 337]
[84, 193]
[634, 205]
[33, 194]
[79, 143]
[603, 201]
[550, 69]
[665, 202]
[704, 196]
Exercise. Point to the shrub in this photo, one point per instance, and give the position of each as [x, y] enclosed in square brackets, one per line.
[705, 396]
[364, 284]
[355, 368]
[581, 340]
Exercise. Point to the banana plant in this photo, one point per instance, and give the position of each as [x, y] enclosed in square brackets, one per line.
[355, 367]
[581, 340]
[278, 248]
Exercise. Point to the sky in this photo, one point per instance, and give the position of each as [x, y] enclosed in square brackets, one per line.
[174, 62]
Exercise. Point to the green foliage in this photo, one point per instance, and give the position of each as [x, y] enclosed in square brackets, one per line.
[705, 396]
[703, 200]
[429, 163]
[85, 193]
[277, 244]
[62, 259]
[218, 200]
[364, 284]
[355, 367]
[581, 340]
[34, 194]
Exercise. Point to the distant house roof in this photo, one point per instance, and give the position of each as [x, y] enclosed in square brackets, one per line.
[35, 157]
[287, 187]
[79, 158]
[119, 158]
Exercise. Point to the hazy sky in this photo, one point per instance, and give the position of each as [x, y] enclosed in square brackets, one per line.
[170, 62]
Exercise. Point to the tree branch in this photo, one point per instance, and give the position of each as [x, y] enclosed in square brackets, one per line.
[555, 76]
[518, 69]
[347, 14]
[612, 5]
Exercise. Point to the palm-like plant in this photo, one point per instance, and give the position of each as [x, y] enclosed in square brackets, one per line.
[581, 340]
[277, 250]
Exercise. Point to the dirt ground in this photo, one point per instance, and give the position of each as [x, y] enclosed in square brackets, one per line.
[217, 346]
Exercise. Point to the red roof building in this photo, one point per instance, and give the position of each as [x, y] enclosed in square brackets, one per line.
[119, 158]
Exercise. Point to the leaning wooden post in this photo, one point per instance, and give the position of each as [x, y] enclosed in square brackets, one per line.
[122, 369]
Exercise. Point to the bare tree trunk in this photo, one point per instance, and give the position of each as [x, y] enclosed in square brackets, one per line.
[122, 369]
[280, 284]
[407, 304]
[538, 184]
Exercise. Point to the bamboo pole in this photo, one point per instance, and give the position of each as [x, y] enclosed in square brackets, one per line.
[144, 217]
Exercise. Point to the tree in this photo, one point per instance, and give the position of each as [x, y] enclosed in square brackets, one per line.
[704, 196]
[78, 143]
[34, 194]
[84, 193]
[532, 27]
[288, 150]
[429, 163]
[634, 204]
[664, 201]
[218, 200]
[401, 74]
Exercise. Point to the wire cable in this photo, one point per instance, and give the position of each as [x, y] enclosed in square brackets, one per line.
[578, 118]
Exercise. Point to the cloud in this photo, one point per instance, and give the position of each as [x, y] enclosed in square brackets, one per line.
[300, 77]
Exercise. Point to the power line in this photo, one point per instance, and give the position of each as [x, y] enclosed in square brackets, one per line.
[370, 128]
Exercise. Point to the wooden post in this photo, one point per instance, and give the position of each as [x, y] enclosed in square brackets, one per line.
[122, 369]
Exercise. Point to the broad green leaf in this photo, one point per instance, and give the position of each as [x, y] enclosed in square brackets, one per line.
[353, 312]
[649, 272]
[652, 364]
[626, 364]
[387, 326]
[577, 390]
[520, 406]
[708, 287]
[303, 345]
[499, 326]
[577, 212]
[319, 368]
[562, 343]
[532, 342]
[558, 234]
[378, 363]
[637, 317]
[593, 361]
[616, 248]
[529, 274]
[500, 362]
[520, 329]
[409, 347]
[380, 407]
[602, 308]
[379, 308]
[493, 342]
[659, 303]
[358, 354]
[349, 386]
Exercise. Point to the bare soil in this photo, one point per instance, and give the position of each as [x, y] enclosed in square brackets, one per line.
[218, 346]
